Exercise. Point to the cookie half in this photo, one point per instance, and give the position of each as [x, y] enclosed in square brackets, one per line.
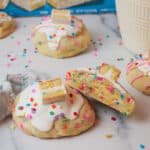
[67, 117]
[101, 84]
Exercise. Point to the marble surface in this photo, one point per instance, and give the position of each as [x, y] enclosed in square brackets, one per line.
[128, 133]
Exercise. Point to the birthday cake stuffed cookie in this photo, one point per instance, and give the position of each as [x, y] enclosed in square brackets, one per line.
[61, 36]
[50, 109]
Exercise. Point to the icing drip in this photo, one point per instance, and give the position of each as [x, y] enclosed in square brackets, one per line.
[42, 116]
[55, 32]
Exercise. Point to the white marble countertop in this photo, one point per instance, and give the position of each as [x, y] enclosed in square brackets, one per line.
[128, 133]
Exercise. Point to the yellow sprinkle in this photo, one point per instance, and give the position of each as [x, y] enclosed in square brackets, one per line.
[13, 127]
[108, 136]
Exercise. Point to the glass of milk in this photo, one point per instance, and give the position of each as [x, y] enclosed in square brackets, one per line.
[134, 22]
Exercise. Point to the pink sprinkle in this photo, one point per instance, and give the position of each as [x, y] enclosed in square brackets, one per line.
[113, 118]
[12, 59]
[8, 65]
[29, 117]
[100, 78]
[33, 90]
[21, 126]
[29, 61]
[46, 18]
[120, 43]
[110, 89]
[18, 42]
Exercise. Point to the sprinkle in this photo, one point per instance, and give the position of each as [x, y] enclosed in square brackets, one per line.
[21, 126]
[31, 99]
[13, 127]
[73, 34]
[33, 110]
[51, 113]
[122, 96]
[108, 136]
[26, 66]
[35, 104]
[28, 116]
[53, 106]
[65, 126]
[71, 101]
[55, 118]
[62, 114]
[107, 36]
[100, 78]
[75, 113]
[33, 90]
[21, 108]
[110, 89]
[28, 104]
[77, 125]
[113, 118]
[142, 146]
[71, 95]
[129, 100]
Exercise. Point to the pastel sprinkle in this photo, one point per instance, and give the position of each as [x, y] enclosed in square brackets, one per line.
[33, 90]
[33, 110]
[108, 136]
[51, 113]
[113, 118]
[142, 146]
[62, 114]
[53, 106]
[28, 116]
[28, 104]
[122, 96]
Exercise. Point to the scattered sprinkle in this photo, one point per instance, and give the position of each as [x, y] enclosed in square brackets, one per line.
[142, 146]
[108, 136]
[113, 118]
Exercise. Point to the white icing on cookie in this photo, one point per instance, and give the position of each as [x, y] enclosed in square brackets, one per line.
[43, 116]
[55, 32]
[144, 66]
[4, 17]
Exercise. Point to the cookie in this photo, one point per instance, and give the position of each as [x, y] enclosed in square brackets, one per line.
[60, 38]
[101, 84]
[68, 117]
[3, 4]
[7, 25]
[66, 3]
[138, 75]
[29, 5]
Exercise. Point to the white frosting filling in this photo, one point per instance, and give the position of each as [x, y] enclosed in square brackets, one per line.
[45, 115]
[144, 67]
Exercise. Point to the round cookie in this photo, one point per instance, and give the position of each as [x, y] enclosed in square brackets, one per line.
[69, 117]
[61, 40]
[138, 75]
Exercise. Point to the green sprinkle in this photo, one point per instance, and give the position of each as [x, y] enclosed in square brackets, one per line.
[51, 113]
[26, 66]
[40, 43]
[107, 36]
[122, 96]
[94, 77]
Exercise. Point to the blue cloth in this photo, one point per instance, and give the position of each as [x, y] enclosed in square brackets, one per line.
[94, 7]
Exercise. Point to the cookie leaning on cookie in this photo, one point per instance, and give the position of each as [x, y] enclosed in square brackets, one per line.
[61, 36]
[101, 84]
[68, 116]
[7, 25]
